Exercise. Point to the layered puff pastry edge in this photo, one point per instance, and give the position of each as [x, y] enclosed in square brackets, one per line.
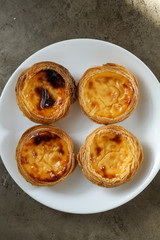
[111, 156]
[45, 92]
[45, 155]
[108, 94]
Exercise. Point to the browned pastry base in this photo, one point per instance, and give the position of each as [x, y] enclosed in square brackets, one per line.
[45, 155]
[111, 156]
[108, 94]
[45, 92]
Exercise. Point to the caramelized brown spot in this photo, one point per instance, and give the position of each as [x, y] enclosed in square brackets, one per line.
[34, 154]
[46, 100]
[90, 85]
[128, 87]
[51, 179]
[110, 176]
[52, 176]
[103, 169]
[107, 78]
[60, 150]
[37, 138]
[124, 85]
[91, 156]
[116, 139]
[93, 104]
[54, 78]
[106, 175]
[98, 150]
[24, 160]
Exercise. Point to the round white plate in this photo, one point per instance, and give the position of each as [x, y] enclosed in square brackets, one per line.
[77, 194]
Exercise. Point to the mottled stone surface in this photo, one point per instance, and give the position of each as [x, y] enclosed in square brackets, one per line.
[27, 26]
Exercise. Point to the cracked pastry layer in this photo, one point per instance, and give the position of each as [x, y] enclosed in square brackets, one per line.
[45, 155]
[45, 92]
[108, 94]
[111, 156]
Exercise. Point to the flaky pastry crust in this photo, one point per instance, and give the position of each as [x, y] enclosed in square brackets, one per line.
[108, 94]
[45, 92]
[45, 155]
[111, 156]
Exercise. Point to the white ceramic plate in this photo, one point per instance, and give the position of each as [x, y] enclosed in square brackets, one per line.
[77, 194]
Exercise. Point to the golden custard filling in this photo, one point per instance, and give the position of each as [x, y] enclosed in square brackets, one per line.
[111, 155]
[44, 156]
[44, 93]
[107, 94]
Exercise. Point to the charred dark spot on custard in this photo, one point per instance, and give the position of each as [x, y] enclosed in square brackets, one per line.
[45, 99]
[107, 175]
[98, 151]
[24, 160]
[116, 139]
[46, 137]
[54, 78]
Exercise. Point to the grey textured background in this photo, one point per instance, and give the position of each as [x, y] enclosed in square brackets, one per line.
[27, 26]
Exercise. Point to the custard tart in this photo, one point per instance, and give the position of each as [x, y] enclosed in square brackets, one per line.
[45, 155]
[108, 94]
[111, 156]
[45, 92]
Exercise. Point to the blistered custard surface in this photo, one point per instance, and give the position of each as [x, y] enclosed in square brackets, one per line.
[44, 93]
[110, 155]
[44, 156]
[107, 94]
